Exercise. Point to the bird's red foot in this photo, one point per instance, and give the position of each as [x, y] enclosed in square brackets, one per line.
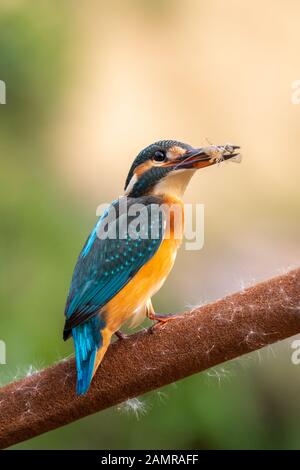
[120, 335]
[161, 319]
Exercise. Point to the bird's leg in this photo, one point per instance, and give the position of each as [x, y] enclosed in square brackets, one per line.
[120, 335]
[160, 318]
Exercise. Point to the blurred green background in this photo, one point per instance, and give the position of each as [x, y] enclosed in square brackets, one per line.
[88, 85]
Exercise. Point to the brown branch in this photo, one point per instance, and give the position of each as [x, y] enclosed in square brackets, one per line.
[210, 335]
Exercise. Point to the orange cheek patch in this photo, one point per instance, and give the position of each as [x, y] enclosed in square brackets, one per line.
[142, 168]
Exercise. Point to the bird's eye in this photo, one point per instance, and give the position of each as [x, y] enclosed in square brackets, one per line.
[159, 156]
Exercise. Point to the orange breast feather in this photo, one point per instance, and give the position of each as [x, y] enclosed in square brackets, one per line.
[149, 279]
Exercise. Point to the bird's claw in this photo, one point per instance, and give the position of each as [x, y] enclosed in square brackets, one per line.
[162, 320]
[120, 335]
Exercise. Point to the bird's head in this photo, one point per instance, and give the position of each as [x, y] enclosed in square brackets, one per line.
[166, 167]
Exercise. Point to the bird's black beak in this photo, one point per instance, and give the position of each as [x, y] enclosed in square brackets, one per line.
[206, 156]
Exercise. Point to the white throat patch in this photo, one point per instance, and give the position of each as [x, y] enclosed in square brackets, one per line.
[174, 183]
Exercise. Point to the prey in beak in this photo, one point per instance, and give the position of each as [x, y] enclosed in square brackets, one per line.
[206, 156]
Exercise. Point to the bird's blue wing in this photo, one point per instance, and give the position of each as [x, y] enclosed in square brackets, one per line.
[112, 256]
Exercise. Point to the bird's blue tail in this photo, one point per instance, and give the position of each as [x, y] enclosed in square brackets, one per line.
[87, 340]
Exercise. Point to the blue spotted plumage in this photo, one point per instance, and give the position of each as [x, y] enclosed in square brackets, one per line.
[103, 268]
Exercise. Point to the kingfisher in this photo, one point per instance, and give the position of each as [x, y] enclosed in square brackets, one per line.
[119, 270]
